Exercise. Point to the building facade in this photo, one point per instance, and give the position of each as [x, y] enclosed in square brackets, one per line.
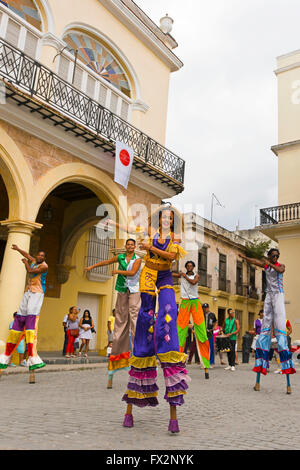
[282, 222]
[226, 281]
[75, 78]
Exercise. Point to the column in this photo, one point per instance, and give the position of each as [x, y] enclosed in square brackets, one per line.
[13, 272]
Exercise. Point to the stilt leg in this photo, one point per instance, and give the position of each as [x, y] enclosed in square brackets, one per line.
[31, 377]
[257, 384]
[288, 383]
[173, 424]
[1, 372]
[128, 418]
[206, 373]
[109, 383]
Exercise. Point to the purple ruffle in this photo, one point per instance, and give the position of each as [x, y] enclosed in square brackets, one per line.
[173, 364]
[168, 371]
[142, 388]
[140, 374]
[141, 403]
[179, 386]
[174, 401]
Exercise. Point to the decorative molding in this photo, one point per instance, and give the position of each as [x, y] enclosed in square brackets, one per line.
[139, 105]
[50, 39]
[143, 32]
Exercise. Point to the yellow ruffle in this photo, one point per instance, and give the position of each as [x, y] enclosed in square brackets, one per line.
[172, 356]
[113, 365]
[165, 287]
[143, 362]
[175, 394]
[140, 396]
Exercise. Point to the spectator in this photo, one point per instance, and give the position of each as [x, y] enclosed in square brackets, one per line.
[86, 325]
[65, 333]
[110, 326]
[231, 327]
[20, 349]
[257, 330]
[72, 331]
[193, 347]
[108, 350]
[218, 332]
[210, 322]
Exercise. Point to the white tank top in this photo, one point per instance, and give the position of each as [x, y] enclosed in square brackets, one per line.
[188, 291]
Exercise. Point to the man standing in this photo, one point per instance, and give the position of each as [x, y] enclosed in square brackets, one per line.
[127, 306]
[26, 320]
[190, 305]
[231, 328]
[210, 322]
[274, 315]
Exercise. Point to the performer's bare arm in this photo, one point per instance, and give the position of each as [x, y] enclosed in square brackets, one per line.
[38, 270]
[103, 263]
[255, 261]
[176, 275]
[24, 253]
[280, 268]
[132, 272]
[191, 281]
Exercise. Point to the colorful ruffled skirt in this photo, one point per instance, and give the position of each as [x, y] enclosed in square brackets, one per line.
[157, 340]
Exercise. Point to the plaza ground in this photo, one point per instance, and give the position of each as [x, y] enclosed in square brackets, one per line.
[69, 407]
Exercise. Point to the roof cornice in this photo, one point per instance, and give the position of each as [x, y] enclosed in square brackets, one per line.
[143, 32]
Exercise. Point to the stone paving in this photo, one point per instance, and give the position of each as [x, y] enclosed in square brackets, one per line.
[69, 407]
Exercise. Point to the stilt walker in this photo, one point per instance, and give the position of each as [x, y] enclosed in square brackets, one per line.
[191, 306]
[26, 320]
[127, 306]
[274, 317]
[157, 338]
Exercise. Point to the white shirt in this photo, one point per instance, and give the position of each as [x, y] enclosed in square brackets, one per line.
[188, 291]
[133, 282]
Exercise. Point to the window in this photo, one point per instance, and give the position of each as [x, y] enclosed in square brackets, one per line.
[63, 68]
[13, 33]
[222, 272]
[90, 86]
[102, 95]
[239, 278]
[31, 43]
[99, 249]
[114, 102]
[202, 266]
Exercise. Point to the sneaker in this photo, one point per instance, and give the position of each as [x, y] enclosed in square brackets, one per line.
[232, 368]
[23, 364]
[227, 368]
[12, 365]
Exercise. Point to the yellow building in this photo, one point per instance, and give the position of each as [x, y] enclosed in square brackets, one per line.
[225, 280]
[77, 76]
[282, 222]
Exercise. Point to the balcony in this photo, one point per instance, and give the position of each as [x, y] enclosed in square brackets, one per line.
[280, 214]
[225, 285]
[39, 89]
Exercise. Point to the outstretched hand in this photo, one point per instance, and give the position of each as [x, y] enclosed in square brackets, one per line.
[15, 247]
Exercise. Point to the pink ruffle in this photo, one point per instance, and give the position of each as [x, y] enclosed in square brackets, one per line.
[142, 382]
[169, 371]
[146, 374]
[175, 379]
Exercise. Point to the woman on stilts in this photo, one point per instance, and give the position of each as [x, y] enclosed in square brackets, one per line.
[274, 316]
[158, 338]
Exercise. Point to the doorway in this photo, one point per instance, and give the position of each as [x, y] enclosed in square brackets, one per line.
[90, 302]
[221, 316]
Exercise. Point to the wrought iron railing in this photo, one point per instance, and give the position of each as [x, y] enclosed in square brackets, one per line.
[42, 83]
[278, 214]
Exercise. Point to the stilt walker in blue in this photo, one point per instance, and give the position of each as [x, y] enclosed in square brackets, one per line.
[274, 317]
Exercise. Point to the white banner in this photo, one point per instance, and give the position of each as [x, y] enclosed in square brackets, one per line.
[123, 163]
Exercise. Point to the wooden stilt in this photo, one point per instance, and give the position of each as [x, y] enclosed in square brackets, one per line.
[109, 383]
[31, 377]
[288, 385]
[1, 372]
[257, 384]
[129, 410]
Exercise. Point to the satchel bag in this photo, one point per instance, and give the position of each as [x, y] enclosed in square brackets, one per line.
[74, 332]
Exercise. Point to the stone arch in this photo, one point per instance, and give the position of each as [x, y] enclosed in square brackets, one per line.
[94, 179]
[16, 176]
[113, 48]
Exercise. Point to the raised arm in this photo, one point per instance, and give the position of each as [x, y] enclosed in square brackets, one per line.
[132, 272]
[24, 253]
[39, 270]
[255, 261]
[102, 263]
[191, 281]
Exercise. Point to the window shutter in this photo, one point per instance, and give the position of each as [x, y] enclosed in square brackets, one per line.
[114, 102]
[63, 68]
[13, 32]
[78, 77]
[31, 43]
[90, 86]
[124, 110]
[102, 95]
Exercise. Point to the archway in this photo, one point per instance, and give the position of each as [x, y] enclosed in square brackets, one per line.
[4, 211]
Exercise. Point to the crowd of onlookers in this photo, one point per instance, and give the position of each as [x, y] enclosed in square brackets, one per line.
[78, 333]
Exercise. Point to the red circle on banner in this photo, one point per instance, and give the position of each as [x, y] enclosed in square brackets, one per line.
[124, 157]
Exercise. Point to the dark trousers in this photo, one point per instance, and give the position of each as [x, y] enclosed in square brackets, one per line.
[193, 350]
[231, 353]
[65, 343]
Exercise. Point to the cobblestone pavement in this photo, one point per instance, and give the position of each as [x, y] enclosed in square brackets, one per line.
[71, 408]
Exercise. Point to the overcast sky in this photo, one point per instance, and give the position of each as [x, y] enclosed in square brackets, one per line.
[222, 117]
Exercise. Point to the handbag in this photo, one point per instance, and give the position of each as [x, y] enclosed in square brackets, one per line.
[74, 332]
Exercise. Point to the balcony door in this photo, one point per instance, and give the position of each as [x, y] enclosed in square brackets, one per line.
[222, 272]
